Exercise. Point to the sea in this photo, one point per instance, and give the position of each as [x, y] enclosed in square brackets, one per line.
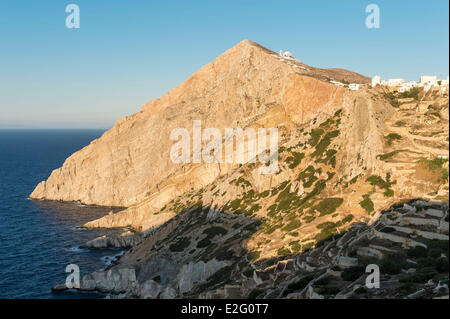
[39, 239]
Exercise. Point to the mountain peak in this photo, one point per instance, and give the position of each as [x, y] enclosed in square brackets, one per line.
[250, 44]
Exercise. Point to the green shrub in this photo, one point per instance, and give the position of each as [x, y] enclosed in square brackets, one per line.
[332, 290]
[323, 281]
[296, 247]
[315, 136]
[392, 264]
[417, 252]
[325, 234]
[324, 143]
[224, 254]
[367, 204]
[308, 246]
[307, 176]
[328, 205]
[360, 290]
[441, 265]
[243, 182]
[295, 159]
[388, 193]
[391, 137]
[412, 93]
[234, 204]
[436, 166]
[292, 225]
[392, 99]
[205, 242]
[375, 180]
[352, 273]
[329, 159]
[269, 229]
[253, 210]
[214, 231]
[283, 252]
[421, 276]
[253, 255]
[326, 225]
[180, 245]
[347, 219]
[442, 246]
[387, 229]
[255, 293]
[264, 194]
[300, 284]
[386, 156]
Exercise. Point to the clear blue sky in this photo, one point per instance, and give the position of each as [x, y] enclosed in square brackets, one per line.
[129, 52]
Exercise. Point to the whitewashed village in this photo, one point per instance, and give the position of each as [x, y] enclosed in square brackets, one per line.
[426, 82]
[399, 85]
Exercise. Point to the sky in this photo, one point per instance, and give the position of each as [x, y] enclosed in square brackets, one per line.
[126, 53]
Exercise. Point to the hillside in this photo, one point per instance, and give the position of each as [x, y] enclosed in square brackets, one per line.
[346, 158]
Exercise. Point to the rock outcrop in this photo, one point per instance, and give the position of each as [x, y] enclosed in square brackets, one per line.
[246, 86]
[124, 240]
[115, 280]
[194, 273]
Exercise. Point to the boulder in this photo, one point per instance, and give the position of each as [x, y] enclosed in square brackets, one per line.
[114, 280]
[417, 294]
[369, 252]
[434, 212]
[126, 239]
[441, 289]
[347, 262]
[150, 289]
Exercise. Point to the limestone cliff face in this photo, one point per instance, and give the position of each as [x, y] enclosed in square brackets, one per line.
[247, 85]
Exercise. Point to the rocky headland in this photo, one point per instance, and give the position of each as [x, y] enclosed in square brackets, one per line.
[362, 179]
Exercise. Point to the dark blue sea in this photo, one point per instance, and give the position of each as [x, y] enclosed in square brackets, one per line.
[38, 239]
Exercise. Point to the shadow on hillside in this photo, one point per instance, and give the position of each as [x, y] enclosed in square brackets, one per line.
[73, 212]
[203, 233]
[317, 257]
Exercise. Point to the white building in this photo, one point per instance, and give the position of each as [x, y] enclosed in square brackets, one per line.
[407, 86]
[411, 84]
[286, 54]
[396, 82]
[429, 79]
[376, 80]
[337, 83]
[353, 86]
[445, 82]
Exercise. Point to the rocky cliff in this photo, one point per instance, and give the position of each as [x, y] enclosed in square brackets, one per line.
[130, 162]
[345, 159]
[246, 86]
